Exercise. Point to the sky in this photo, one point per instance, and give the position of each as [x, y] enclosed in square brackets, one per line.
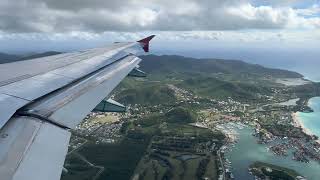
[234, 29]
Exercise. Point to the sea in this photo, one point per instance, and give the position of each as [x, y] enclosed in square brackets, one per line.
[311, 121]
[247, 151]
[303, 60]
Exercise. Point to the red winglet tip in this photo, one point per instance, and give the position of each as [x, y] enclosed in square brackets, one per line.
[145, 42]
[147, 39]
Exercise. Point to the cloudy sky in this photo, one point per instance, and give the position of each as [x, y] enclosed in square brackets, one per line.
[38, 25]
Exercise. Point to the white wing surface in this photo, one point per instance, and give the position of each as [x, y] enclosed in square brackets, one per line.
[42, 99]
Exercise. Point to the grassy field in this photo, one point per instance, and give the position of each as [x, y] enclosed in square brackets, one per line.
[78, 169]
[211, 171]
[119, 160]
[152, 169]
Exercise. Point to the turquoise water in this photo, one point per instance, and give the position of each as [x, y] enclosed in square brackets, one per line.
[248, 151]
[311, 121]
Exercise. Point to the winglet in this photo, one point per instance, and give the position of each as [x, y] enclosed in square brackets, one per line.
[145, 42]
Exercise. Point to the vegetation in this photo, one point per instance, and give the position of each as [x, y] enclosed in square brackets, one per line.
[201, 170]
[6, 58]
[307, 90]
[119, 159]
[78, 169]
[147, 94]
[214, 87]
[264, 170]
[39, 55]
[171, 63]
[205, 77]
[181, 115]
[154, 142]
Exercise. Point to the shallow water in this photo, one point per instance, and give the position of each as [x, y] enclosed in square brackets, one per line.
[247, 151]
[311, 121]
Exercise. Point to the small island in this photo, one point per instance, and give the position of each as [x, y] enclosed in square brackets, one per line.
[263, 170]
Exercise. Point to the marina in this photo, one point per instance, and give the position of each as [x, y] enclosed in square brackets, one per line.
[247, 151]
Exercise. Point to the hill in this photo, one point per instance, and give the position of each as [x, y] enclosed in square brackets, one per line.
[172, 64]
[181, 115]
[214, 78]
[180, 64]
[206, 77]
[146, 94]
[6, 58]
[39, 55]
[217, 88]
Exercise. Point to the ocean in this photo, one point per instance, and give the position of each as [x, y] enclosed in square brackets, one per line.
[304, 60]
[247, 150]
[311, 121]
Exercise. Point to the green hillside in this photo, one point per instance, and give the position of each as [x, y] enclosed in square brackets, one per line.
[181, 115]
[205, 77]
[6, 58]
[214, 87]
[33, 56]
[180, 64]
[146, 94]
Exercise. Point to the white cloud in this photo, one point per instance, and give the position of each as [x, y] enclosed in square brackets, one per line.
[222, 36]
[51, 16]
[84, 23]
[280, 17]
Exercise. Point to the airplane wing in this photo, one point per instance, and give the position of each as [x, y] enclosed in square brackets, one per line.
[42, 99]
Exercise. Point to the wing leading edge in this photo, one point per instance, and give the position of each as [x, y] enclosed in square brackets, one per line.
[38, 108]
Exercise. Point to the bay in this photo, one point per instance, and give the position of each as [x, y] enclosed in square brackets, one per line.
[247, 151]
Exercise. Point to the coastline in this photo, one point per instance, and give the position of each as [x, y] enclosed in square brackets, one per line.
[297, 123]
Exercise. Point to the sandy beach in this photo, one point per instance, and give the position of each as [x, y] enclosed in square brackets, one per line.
[292, 81]
[297, 123]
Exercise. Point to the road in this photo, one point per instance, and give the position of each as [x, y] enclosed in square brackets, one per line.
[222, 164]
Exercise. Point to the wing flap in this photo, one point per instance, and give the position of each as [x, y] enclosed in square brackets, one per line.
[28, 144]
[8, 106]
[20, 83]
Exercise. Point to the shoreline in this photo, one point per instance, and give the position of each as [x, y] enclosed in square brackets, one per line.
[297, 123]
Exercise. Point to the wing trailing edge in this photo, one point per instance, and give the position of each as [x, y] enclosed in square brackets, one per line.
[40, 105]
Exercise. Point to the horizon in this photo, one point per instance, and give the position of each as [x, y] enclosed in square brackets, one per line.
[302, 60]
[244, 30]
[96, 89]
[252, 24]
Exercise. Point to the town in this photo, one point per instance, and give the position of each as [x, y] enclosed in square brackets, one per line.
[172, 145]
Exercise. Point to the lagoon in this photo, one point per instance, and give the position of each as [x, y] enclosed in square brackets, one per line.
[247, 151]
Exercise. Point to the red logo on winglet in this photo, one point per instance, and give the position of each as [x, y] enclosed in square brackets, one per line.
[145, 42]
